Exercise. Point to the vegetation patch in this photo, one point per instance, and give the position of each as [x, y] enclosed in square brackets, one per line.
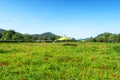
[116, 48]
[69, 44]
[45, 61]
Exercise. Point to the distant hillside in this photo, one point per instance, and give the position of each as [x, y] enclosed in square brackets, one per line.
[15, 36]
[83, 39]
[46, 36]
[2, 30]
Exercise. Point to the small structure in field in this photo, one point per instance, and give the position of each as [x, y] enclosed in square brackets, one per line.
[64, 38]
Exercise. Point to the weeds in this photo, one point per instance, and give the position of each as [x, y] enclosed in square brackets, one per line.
[44, 61]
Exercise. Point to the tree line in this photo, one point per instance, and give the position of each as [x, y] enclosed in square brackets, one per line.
[11, 35]
[106, 37]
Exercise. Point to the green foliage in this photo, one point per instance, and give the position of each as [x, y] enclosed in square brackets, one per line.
[117, 48]
[48, 36]
[27, 37]
[11, 35]
[8, 34]
[91, 39]
[106, 37]
[17, 37]
[0, 35]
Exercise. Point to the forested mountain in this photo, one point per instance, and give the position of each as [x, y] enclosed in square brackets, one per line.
[106, 37]
[47, 36]
[11, 35]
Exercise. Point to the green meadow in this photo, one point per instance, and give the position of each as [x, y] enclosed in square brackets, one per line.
[56, 61]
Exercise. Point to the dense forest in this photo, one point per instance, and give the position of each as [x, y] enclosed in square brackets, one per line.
[106, 37]
[11, 35]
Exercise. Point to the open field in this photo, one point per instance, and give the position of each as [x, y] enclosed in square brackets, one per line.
[55, 61]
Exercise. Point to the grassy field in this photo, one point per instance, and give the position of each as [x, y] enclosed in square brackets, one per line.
[54, 61]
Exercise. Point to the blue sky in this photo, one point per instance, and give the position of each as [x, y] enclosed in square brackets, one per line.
[74, 18]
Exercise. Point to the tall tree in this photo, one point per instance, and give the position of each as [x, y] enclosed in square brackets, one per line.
[8, 34]
[1, 36]
[17, 37]
[27, 37]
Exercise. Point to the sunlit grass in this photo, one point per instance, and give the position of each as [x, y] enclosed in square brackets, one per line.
[54, 61]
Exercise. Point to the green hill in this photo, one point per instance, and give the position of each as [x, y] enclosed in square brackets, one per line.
[46, 36]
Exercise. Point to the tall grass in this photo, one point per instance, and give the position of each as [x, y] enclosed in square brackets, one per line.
[48, 61]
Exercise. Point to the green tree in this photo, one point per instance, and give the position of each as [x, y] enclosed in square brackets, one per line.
[91, 39]
[52, 38]
[100, 39]
[103, 37]
[35, 38]
[1, 36]
[27, 37]
[43, 37]
[17, 37]
[8, 34]
[118, 36]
